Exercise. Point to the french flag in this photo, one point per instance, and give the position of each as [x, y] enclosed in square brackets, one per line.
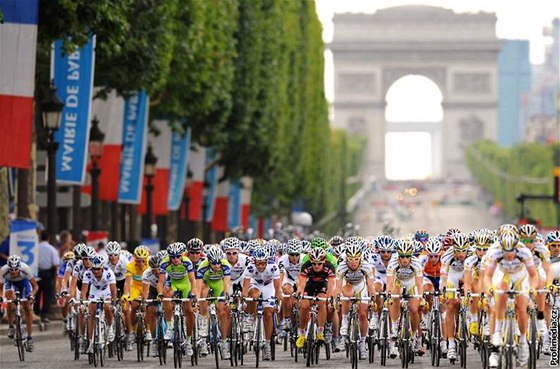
[246, 190]
[110, 113]
[18, 44]
[161, 145]
[197, 164]
[221, 203]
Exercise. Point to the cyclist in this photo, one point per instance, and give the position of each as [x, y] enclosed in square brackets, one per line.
[472, 282]
[422, 236]
[78, 272]
[290, 265]
[67, 262]
[195, 253]
[16, 276]
[177, 274]
[214, 280]
[150, 279]
[452, 271]
[354, 278]
[379, 261]
[317, 278]
[404, 272]
[117, 263]
[133, 290]
[99, 284]
[262, 279]
[508, 267]
[237, 261]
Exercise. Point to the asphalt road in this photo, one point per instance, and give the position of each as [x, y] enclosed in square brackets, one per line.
[53, 352]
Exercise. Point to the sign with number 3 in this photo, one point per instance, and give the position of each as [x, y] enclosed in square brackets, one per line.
[24, 242]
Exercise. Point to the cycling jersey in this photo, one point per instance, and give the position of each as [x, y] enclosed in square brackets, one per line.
[62, 269]
[404, 273]
[135, 271]
[148, 277]
[523, 259]
[178, 275]
[238, 269]
[450, 264]
[540, 254]
[99, 288]
[472, 264]
[290, 271]
[79, 270]
[429, 269]
[354, 277]
[20, 283]
[214, 279]
[119, 268]
[317, 282]
[265, 277]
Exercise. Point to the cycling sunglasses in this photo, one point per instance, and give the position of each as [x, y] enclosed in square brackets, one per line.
[407, 256]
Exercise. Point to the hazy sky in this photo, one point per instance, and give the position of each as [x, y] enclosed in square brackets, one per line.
[517, 19]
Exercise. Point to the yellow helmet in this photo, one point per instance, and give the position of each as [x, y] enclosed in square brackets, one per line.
[68, 255]
[141, 252]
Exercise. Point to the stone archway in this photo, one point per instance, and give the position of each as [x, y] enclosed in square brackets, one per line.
[456, 51]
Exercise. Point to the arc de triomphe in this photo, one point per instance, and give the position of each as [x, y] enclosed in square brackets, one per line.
[456, 51]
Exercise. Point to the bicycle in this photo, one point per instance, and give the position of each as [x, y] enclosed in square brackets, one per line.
[179, 333]
[99, 331]
[534, 338]
[312, 347]
[161, 325]
[383, 331]
[292, 334]
[73, 330]
[461, 330]
[19, 341]
[258, 336]
[435, 328]
[118, 344]
[236, 343]
[372, 334]
[214, 337]
[353, 338]
[405, 329]
[141, 332]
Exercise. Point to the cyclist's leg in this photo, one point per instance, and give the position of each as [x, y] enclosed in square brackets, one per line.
[10, 295]
[287, 302]
[347, 291]
[268, 293]
[395, 308]
[25, 291]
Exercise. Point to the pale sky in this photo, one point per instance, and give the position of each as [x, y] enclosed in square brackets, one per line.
[517, 19]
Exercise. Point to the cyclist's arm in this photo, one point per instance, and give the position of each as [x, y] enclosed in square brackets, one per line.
[67, 275]
[546, 267]
[34, 286]
[420, 284]
[330, 286]
[467, 280]
[533, 277]
[278, 289]
[127, 284]
[390, 283]
[113, 288]
[145, 289]
[85, 288]
[161, 282]
[302, 281]
[370, 285]
[73, 286]
[227, 281]
[1, 289]
[488, 274]
[338, 286]
[246, 284]
[194, 285]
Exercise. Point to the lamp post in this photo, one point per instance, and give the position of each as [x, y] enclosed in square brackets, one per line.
[51, 109]
[149, 171]
[95, 148]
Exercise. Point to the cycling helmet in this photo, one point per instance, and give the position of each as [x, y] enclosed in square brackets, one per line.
[174, 250]
[527, 232]
[195, 244]
[14, 262]
[508, 241]
[352, 241]
[452, 231]
[270, 248]
[508, 227]
[405, 248]
[305, 246]
[353, 252]
[260, 255]
[339, 250]
[418, 247]
[460, 242]
[433, 246]
[141, 252]
[215, 255]
[98, 262]
[335, 241]
[294, 246]
[88, 252]
[230, 243]
[113, 248]
[553, 237]
[154, 260]
[482, 239]
[243, 247]
[421, 235]
[161, 254]
[319, 242]
[385, 243]
[318, 254]
[79, 249]
[68, 255]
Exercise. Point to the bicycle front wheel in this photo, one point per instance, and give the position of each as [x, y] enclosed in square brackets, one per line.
[215, 345]
[257, 343]
[19, 339]
[533, 343]
[310, 342]
[177, 339]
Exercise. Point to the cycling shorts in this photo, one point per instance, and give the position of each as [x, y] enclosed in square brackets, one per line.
[23, 287]
[434, 281]
[182, 285]
[267, 293]
[313, 288]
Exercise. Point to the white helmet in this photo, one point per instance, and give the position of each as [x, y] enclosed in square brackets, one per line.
[113, 248]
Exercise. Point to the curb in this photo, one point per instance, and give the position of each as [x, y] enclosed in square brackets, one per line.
[54, 331]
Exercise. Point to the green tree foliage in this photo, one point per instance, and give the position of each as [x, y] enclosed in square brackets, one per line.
[506, 173]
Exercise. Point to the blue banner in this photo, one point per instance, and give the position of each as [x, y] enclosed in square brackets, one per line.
[178, 168]
[212, 180]
[24, 242]
[133, 148]
[234, 215]
[152, 244]
[73, 78]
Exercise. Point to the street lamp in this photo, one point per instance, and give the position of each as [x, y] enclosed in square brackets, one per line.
[95, 148]
[149, 171]
[51, 109]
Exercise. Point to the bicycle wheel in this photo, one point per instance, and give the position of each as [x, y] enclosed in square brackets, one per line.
[371, 345]
[310, 342]
[194, 344]
[214, 342]
[233, 341]
[140, 340]
[257, 343]
[101, 353]
[76, 339]
[533, 342]
[354, 334]
[162, 345]
[19, 339]
[177, 351]
[119, 339]
[383, 338]
[463, 342]
[436, 342]
[405, 338]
